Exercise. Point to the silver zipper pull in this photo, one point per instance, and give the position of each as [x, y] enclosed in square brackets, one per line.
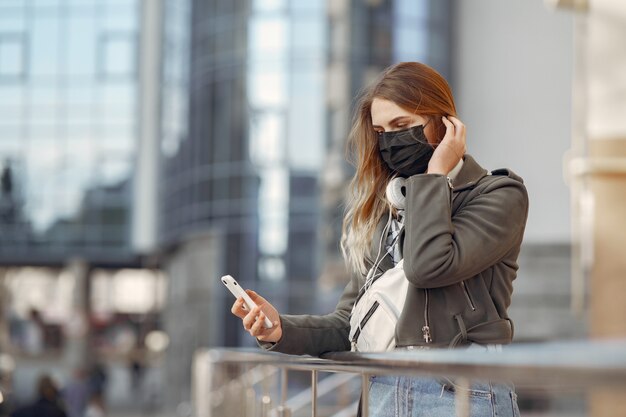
[426, 333]
[450, 183]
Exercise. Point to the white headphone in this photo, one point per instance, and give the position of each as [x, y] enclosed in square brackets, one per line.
[396, 192]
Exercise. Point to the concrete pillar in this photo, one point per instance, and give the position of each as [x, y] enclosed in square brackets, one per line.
[4, 309]
[144, 214]
[601, 167]
[196, 312]
[602, 162]
[606, 74]
[608, 273]
[76, 349]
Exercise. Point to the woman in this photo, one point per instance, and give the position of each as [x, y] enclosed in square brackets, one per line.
[459, 234]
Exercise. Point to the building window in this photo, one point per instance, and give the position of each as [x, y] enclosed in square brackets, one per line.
[12, 56]
[116, 56]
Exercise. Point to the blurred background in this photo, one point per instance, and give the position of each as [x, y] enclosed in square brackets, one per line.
[148, 147]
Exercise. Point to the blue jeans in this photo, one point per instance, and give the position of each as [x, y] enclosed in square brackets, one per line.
[403, 396]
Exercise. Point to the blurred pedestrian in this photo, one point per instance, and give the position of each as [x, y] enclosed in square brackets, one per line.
[97, 379]
[48, 403]
[136, 368]
[34, 333]
[6, 179]
[76, 394]
[95, 408]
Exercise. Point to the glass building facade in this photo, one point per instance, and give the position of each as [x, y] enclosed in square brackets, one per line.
[68, 126]
[256, 104]
[257, 100]
[73, 287]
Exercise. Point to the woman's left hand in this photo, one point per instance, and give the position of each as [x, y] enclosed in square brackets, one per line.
[451, 148]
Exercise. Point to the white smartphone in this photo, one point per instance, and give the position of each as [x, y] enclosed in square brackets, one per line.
[237, 291]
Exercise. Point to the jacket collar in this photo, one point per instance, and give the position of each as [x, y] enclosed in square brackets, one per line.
[471, 172]
[469, 175]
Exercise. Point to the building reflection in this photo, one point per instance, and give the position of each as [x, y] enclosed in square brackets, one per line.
[254, 103]
[256, 106]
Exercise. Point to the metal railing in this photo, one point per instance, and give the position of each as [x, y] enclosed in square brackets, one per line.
[569, 364]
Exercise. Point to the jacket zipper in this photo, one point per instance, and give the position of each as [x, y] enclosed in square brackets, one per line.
[426, 328]
[364, 321]
[467, 296]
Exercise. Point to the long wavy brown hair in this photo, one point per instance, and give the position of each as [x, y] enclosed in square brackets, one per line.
[416, 88]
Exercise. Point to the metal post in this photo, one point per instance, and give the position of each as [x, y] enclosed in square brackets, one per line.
[365, 395]
[282, 410]
[461, 397]
[285, 381]
[250, 397]
[266, 404]
[267, 382]
[314, 393]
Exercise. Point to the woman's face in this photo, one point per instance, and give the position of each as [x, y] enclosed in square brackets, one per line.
[387, 116]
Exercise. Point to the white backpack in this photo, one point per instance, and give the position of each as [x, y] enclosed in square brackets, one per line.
[376, 312]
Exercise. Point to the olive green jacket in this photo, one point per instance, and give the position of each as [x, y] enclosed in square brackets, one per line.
[460, 246]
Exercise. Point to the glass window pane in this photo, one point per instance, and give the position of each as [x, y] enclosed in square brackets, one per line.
[115, 94]
[43, 173]
[306, 146]
[44, 47]
[10, 130]
[81, 160]
[268, 37]
[113, 169]
[268, 5]
[10, 114]
[266, 139]
[11, 5]
[122, 112]
[120, 16]
[272, 268]
[79, 130]
[81, 2]
[10, 147]
[40, 131]
[12, 23]
[268, 89]
[80, 44]
[411, 10]
[117, 138]
[11, 95]
[11, 55]
[79, 113]
[43, 114]
[118, 56]
[79, 94]
[410, 44]
[45, 3]
[44, 95]
[308, 35]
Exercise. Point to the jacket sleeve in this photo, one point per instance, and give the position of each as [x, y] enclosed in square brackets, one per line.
[441, 249]
[315, 335]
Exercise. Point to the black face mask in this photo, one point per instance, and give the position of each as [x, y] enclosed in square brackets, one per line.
[406, 152]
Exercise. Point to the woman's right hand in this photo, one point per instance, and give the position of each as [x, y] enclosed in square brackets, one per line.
[451, 148]
[253, 320]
